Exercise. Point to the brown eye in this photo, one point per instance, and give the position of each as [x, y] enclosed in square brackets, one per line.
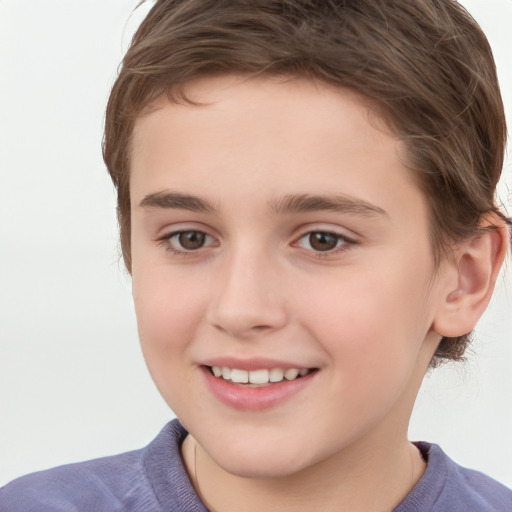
[191, 240]
[187, 242]
[323, 241]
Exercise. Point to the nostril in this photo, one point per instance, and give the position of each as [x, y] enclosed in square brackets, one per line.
[241, 330]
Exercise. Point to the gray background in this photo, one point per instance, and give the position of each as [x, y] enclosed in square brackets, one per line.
[73, 384]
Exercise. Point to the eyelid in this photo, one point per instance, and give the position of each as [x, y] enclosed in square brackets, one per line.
[166, 240]
[348, 240]
[319, 227]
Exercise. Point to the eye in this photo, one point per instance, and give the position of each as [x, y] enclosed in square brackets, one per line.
[190, 240]
[182, 242]
[323, 241]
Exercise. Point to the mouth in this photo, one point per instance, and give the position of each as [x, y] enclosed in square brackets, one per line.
[258, 378]
[258, 389]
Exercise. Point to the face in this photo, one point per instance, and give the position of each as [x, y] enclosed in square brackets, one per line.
[277, 234]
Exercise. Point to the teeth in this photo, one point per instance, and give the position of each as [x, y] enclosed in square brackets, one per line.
[241, 376]
[262, 376]
[276, 375]
[258, 376]
[291, 374]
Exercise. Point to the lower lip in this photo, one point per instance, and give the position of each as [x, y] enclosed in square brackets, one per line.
[247, 398]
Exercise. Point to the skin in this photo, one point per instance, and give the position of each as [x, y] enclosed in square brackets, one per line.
[365, 314]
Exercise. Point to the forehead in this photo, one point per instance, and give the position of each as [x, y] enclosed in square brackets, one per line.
[269, 103]
[282, 135]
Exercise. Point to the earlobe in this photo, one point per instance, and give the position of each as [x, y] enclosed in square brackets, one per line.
[476, 264]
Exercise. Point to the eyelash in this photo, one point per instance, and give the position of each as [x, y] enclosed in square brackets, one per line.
[343, 243]
[166, 242]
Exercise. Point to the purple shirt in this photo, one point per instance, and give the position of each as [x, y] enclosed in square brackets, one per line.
[154, 480]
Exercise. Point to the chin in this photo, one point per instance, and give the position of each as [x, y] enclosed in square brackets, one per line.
[255, 461]
[260, 469]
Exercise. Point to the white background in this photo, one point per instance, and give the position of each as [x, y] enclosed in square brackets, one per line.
[73, 384]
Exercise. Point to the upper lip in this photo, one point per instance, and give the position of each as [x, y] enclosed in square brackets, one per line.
[253, 363]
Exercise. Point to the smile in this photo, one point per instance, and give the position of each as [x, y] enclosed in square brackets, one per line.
[259, 377]
[257, 389]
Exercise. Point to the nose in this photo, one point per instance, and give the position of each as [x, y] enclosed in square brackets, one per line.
[248, 298]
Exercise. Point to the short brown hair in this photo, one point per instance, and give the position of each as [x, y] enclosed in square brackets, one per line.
[426, 64]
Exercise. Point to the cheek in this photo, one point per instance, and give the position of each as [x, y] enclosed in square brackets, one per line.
[372, 322]
[370, 332]
[169, 310]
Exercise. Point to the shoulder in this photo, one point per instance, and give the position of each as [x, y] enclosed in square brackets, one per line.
[129, 482]
[101, 484]
[446, 485]
[475, 491]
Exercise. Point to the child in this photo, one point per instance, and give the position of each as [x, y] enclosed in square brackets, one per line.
[306, 203]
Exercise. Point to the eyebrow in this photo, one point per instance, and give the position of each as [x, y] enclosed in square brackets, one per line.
[335, 203]
[295, 203]
[177, 201]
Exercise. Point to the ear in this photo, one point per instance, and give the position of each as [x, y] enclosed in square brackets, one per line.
[472, 273]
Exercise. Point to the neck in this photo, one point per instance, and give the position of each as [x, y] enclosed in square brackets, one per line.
[356, 479]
